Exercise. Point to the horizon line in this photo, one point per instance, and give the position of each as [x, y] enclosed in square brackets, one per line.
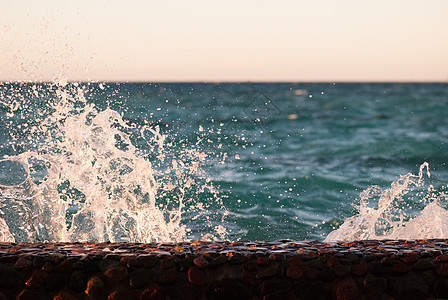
[223, 81]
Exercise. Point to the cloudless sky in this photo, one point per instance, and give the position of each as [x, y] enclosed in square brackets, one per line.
[245, 40]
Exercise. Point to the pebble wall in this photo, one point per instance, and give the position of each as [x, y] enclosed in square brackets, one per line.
[224, 270]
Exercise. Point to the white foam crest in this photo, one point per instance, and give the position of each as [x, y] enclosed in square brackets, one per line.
[92, 183]
[394, 213]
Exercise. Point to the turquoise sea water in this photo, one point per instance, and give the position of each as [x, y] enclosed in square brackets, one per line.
[284, 160]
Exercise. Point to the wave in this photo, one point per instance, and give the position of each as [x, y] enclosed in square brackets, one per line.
[84, 173]
[409, 209]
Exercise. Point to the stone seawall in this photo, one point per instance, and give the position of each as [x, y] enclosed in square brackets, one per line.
[223, 270]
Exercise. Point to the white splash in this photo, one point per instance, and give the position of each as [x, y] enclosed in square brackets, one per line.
[393, 213]
[84, 178]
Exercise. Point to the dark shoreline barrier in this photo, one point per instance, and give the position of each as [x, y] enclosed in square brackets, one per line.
[224, 270]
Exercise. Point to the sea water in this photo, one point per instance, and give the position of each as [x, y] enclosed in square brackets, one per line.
[142, 162]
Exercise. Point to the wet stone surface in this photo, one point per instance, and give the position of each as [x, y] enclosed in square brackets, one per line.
[226, 270]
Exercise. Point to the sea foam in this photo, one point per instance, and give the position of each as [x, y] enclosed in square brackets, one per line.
[409, 209]
[76, 172]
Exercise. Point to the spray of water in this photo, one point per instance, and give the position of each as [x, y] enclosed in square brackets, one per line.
[409, 209]
[71, 171]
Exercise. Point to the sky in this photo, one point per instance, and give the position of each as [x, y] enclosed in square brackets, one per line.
[233, 40]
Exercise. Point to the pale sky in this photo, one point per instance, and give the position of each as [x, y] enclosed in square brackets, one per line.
[245, 40]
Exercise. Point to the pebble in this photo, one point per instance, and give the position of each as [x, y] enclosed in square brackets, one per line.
[37, 279]
[277, 257]
[23, 263]
[48, 267]
[95, 287]
[347, 289]
[200, 262]
[167, 263]
[120, 293]
[64, 267]
[196, 276]
[153, 292]
[77, 282]
[117, 273]
[65, 295]
[296, 260]
[54, 282]
[140, 277]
